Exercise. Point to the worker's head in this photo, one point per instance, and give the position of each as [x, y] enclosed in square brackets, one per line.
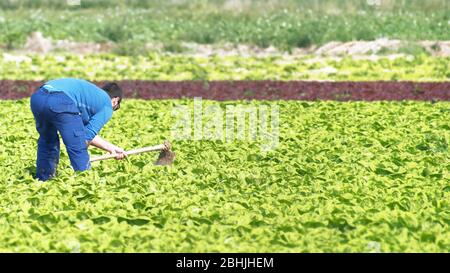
[115, 93]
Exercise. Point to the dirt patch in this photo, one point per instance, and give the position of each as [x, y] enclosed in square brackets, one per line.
[384, 46]
[37, 43]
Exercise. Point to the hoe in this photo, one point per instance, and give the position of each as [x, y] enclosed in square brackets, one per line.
[166, 156]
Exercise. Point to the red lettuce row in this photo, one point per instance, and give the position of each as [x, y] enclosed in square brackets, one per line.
[261, 90]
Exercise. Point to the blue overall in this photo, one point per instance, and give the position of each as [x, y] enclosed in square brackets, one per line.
[77, 110]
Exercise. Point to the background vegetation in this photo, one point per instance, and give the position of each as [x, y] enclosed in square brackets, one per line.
[283, 24]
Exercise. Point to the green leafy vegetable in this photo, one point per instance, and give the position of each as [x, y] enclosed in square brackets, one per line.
[345, 177]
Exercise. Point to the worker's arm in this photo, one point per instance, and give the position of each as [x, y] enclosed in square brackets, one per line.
[94, 126]
[101, 143]
[96, 122]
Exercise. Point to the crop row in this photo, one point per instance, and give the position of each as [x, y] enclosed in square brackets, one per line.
[260, 90]
[345, 177]
[179, 67]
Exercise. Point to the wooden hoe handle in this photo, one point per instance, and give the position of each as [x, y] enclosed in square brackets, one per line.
[131, 152]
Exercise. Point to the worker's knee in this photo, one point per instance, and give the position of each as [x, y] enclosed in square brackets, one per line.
[81, 167]
[79, 158]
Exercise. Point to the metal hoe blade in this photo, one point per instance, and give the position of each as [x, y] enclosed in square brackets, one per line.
[166, 156]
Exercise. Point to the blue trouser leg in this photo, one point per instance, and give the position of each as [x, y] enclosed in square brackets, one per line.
[48, 143]
[48, 151]
[71, 128]
[57, 112]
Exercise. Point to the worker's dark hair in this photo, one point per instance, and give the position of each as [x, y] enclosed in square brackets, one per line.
[114, 91]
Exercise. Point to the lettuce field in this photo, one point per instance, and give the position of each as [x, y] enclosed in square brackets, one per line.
[163, 67]
[346, 177]
[298, 126]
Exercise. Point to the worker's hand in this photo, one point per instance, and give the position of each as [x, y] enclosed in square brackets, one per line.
[167, 146]
[120, 153]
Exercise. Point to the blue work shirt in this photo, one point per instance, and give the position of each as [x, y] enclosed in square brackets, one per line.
[94, 103]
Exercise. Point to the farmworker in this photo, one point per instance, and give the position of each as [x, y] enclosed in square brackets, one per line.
[78, 110]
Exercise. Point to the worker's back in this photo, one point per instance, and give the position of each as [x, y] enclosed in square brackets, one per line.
[93, 102]
[89, 98]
